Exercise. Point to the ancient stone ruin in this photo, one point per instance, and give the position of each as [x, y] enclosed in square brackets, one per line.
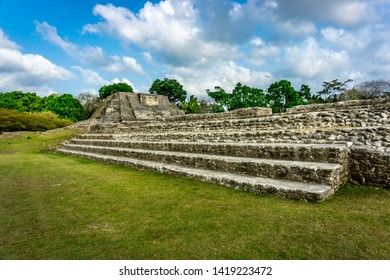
[305, 153]
[123, 106]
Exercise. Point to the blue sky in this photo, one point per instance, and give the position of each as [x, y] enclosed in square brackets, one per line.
[78, 46]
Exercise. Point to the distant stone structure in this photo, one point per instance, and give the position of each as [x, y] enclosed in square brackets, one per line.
[123, 106]
[305, 153]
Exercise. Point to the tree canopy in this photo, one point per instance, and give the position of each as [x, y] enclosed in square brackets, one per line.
[169, 87]
[331, 90]
[242, 96]
[90, 103]
[107, 90]
[279, 96]
[282, 95]
[21, 101]
[374, 89]
[63, 105]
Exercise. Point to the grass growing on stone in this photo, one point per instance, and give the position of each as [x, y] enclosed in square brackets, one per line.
[61, 207]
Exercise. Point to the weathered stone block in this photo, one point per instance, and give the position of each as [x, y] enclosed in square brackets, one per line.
[148, 100]
[122, 106]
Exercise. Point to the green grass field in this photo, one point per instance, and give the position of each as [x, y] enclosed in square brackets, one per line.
[54, 206]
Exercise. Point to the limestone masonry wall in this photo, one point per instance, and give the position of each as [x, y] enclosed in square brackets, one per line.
[370, 167]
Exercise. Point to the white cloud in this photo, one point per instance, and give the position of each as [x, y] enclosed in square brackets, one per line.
[261, 52]
[257, 42]
[147, 56]
[296, 28]
[91, 77]
[6, 43]
[367, 47]
[236, 12]
[353, 12]
[225, 74]
[169, 28]
[49, 33]
[123, 64]
[342, 38]
[309, 60]
[340, 12]
[229, 22]
[196, 42]
[123, 80]
[89, 55]
[33, 72]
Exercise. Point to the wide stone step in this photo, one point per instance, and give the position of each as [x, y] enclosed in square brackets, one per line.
[335, 153]
[367, 136]
[331, 174]
[293, 190]
[95, 136]
[353, 118]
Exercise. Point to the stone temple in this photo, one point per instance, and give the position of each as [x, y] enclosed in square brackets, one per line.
[306, 153]
[123, 106]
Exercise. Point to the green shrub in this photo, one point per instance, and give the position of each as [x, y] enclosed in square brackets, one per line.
[11, 120]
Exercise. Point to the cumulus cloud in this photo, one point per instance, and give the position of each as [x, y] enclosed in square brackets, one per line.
[205, 43]
[309, 60]
[340, 37]
[367, 47]
[296, 28]
[91, 77]
[147, 56]
[227, 21]
[27, 71]
[341, 12]
[89, 55]
[261, 52]
[6, 43]
[225, 74]
[49, 33]
[123, 64]
[169, 28]
[124, 80]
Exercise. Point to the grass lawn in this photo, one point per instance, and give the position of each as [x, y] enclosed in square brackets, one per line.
[54, 206]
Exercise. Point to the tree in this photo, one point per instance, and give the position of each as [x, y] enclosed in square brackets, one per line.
[191, 106]
[210, 106]
[107, 90]
[282, 95]
[332, 89]
[65, 106]
[169, 87]
[351, 94]
[374, 89]
[90, 103]
[21, 101]
[242, 96]
[32, 102]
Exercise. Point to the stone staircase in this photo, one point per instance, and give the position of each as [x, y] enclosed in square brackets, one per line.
[305, 153]
[310, 172]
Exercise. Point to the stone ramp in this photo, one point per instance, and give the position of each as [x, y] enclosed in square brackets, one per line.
[309, 172]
